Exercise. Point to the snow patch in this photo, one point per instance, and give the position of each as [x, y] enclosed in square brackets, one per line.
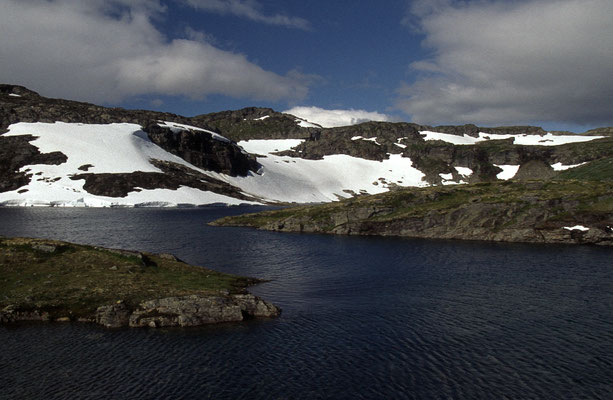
[14, 95]
[560, 167]
[465, 172]
[176, 127]
[508, 171]
[372, 139]
[522, 139]
[577, 228]
[306, 124]
[265, 146]
[449, 138]
[262, 118]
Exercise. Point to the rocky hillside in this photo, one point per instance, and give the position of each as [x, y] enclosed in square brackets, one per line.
[66, 153]
[556, 211]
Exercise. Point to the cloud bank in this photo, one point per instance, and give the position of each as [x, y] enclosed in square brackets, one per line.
[248, 9]
[335, 118]
[498, 62]
[107, 51]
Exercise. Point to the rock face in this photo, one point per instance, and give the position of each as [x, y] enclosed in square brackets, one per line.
[172, 177]
[113, 316]
[186, 311]
[32, 107]
[15, 153]
[377, 140]
[203, 150]
[255, 123]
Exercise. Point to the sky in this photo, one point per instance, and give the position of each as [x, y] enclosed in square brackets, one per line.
[435, 62]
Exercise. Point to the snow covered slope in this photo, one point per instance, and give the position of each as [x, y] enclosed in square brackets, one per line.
[112, 148]
[124, 148]
[292, 179]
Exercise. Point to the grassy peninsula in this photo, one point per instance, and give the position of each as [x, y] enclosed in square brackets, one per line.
[54, 280]
[553, 211]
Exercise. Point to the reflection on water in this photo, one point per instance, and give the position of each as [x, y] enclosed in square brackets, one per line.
[363, 318]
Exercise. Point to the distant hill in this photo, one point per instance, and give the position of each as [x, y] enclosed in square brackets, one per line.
[66, 153]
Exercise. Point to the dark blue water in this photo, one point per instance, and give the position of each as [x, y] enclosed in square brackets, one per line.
[373, 318]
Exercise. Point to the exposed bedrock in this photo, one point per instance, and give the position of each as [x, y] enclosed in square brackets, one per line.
[203, 150]
[186, 311]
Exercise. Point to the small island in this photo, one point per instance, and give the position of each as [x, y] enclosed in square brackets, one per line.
[49, 280]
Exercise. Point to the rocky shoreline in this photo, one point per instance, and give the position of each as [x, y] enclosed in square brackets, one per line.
[556, 212]
[187, 311]
[52, 281]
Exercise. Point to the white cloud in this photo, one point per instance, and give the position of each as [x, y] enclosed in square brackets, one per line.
[514, 62]
[334, 118]
[249, 9]
[107, 51]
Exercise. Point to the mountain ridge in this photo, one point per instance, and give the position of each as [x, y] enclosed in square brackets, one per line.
[254, 155]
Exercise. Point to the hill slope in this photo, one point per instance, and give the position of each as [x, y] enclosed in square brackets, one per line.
[65, 153]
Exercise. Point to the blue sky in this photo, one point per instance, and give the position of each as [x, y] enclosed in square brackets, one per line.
[488, 62]
[351, 54]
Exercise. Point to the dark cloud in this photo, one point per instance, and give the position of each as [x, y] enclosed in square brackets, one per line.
[513, 62]
[107, 51]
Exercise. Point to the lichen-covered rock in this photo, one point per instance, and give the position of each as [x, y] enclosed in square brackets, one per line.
[200, 310]
[12, 313]
[253, 306]
[113, 316]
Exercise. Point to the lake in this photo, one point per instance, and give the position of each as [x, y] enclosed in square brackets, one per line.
[363, 318]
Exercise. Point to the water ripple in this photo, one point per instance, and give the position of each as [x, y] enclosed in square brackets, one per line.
[364, 318]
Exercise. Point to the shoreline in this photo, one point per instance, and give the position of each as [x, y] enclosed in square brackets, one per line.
[546, 212]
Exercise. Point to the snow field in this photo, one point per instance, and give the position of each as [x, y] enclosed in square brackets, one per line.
[112, 148]
[291, 179]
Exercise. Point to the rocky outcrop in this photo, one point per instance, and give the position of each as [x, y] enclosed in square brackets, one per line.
[17, 152]
[186, 311]
[10, 314]
[172, 177]
[255, 123]
[201, 149]
[113, 316]
[534, 169]
[31, 107]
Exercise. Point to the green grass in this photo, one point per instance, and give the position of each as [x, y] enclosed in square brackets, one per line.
[596, 170]
[74, 280]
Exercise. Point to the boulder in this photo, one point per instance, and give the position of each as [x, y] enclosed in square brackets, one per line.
[113, 316]
[200, 310]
